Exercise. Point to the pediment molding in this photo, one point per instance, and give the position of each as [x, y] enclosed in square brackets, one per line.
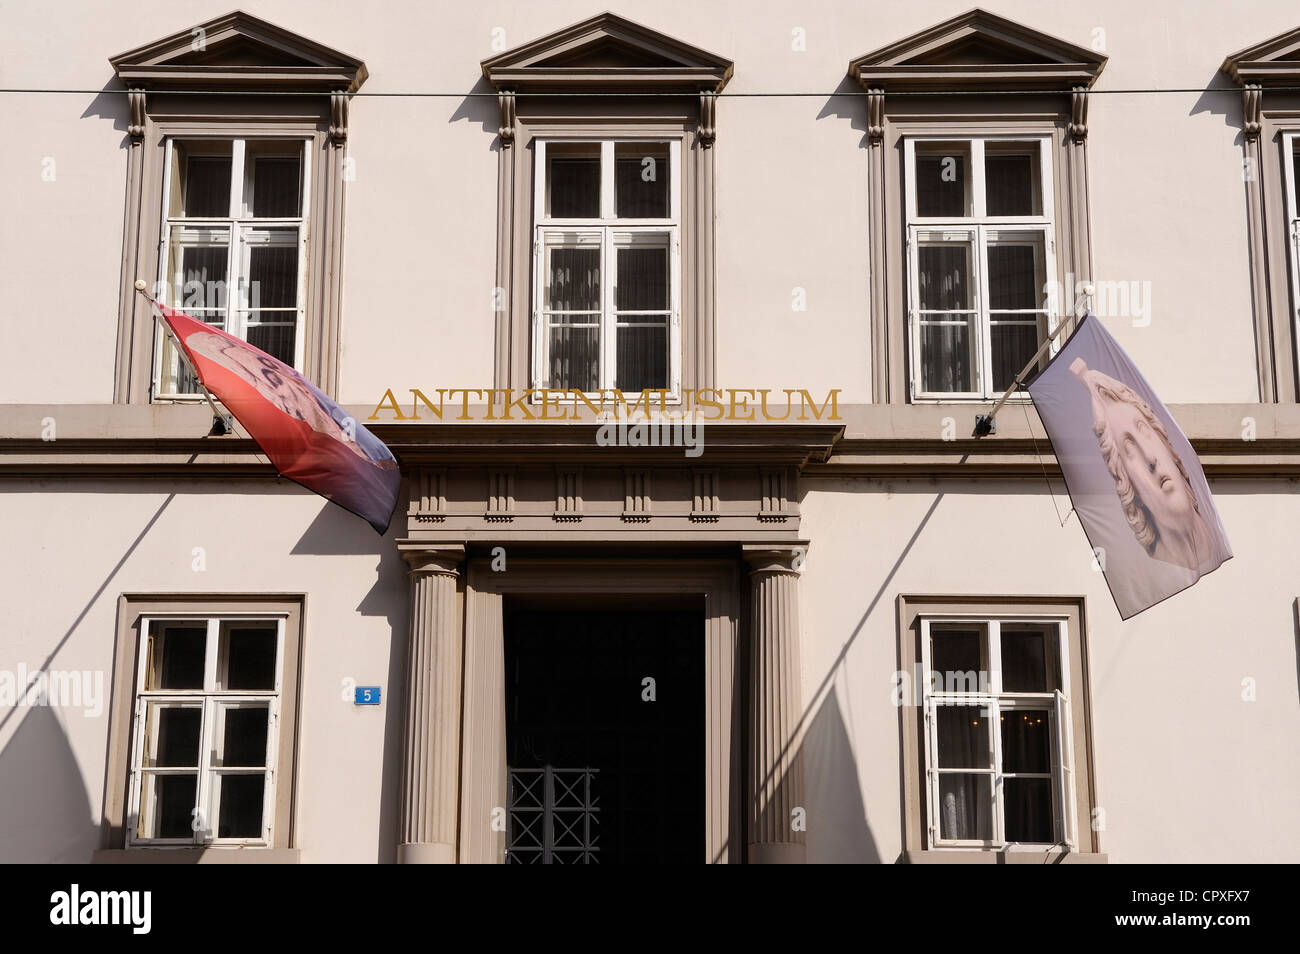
[239, 52]
[1275, 62]
[607, 53]
[978, 50]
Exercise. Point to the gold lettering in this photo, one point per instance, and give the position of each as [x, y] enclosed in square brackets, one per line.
[744, 404]
[707, 402]
[391, 403]
[519, 403]
[832, 398]
[417, 395]
[464, 402]
[768, 417]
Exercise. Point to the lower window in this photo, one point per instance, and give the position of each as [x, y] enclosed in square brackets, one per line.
[207, 746]
[1000, 702]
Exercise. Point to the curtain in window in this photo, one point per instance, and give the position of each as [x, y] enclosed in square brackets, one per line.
[965, 799]
[574, 345]
[1013, 285]
[945, 347]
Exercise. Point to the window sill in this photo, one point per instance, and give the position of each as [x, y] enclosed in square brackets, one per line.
[1018, 856]
[196, 856]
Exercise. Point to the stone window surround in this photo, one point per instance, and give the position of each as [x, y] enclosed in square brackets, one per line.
[924, 110]
[1267, 115]
[130, 609]
[167, 95]
[912, 733]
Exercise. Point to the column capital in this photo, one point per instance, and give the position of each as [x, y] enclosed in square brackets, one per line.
[423, 558]
[774, 557]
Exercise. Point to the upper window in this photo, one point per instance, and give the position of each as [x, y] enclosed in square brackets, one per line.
[205, 731]
[233, 246]
[981, 249]
[998, 740]
[607, 272]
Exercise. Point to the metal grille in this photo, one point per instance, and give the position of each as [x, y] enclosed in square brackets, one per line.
[554, 817]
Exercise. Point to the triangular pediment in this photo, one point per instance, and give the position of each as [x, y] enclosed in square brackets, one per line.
[238, 50]
[1274, 62]
[978, 49]
[607, 51]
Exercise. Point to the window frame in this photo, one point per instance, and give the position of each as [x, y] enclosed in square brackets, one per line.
[995, 702]
[165, 362]
[210, 699]
[979, 224]
[608, 225]
[1291, 195]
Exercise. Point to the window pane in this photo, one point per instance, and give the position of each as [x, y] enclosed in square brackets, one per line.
[642, 283]
[1011, 179]
[574, 356]
[956, 655]
[240, 799]
[1026, 741]
[641, 174]
[944, 277]
[277, 340]
[273, 180]
[947, 353]
[1026, 658]
[167, 806]
[962, 733]
[642, 358]
[204, 190]
[247, 656]
[176, 656]
[272, 270]
[965, 807]
[172, 735]
[943, 180]
[197, 261]
[573, 180]
[1014, 277]
[241, 735]
[1295, 177]
[573, 279]
[1013, 344]
[1028, 810]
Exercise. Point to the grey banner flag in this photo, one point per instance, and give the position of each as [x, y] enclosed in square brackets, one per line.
[1133, 478]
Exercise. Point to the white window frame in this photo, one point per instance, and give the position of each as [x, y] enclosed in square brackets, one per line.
[980, 225]
[611, 231]
[209, 698]
[165, 371]
[995, 701]
[1291, 143]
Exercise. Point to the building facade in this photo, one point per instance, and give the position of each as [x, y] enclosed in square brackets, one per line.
[678, 320]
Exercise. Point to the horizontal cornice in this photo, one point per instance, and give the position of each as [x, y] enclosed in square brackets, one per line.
[1245, 440]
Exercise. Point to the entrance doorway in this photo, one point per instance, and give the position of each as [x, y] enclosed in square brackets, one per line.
[605, 735]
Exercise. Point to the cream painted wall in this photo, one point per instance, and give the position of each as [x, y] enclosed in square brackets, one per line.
[1185, 769]
[1166, 193]
[87, 542]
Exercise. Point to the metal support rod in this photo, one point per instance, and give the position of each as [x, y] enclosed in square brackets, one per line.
[220, 415]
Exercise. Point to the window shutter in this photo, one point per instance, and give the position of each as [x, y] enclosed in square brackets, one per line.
[1065, 777]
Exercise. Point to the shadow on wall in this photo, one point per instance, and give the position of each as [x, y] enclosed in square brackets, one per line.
[334, 532]
[111, 104]
[45, 812]
[838, 829]
[481, 107]
[848, 101]
[1222, 97]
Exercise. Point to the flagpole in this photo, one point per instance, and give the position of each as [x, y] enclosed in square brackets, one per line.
[984, 423]
[219, 417]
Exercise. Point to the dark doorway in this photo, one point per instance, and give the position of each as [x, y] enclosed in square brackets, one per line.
[600, 773]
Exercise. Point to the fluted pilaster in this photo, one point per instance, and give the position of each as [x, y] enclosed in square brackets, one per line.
[775, 768]
[431, 759]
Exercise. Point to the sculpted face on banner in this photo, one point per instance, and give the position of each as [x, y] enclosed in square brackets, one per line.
[287, 392]
[1150, 480]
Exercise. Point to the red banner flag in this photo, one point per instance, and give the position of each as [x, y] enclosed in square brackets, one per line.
[309, 438]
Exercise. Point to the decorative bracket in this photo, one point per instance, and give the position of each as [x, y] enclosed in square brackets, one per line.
[135, 125]
[338, 117]
[1252, 100]
[1079, 114]
[506, 104]
[708, 119]
[876, 115]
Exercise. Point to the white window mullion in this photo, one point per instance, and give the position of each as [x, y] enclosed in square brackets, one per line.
[909, 177]
[913, 303]
[979, 203]
[608, 320]
[237, 179]
[994, 636]
[304, 245]
[675, 325]
[931, 741]
[541, 337]
[607, 201]
[984, 322]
